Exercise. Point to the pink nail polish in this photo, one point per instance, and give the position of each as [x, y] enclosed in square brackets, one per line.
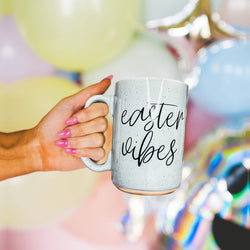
[65, 133]
[70, 150]
[108, 77]
[72, 121]
[62, 143]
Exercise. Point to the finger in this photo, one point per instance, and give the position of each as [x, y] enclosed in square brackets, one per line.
[96, 125]
[78, 100]
[95, 154]
[89, 113]
[95, 140]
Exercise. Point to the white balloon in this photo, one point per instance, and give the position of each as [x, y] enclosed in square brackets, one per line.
[145, 57]
[156, 9]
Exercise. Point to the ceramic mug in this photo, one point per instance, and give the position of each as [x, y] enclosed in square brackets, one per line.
[149, 117]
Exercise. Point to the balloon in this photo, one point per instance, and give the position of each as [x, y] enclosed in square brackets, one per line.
[191, 19]
[1, 8]
[102, 230]
[199, 122]
[38, 198]
[17, 60]
[25, 102]
[215, 208]
[234, 13]
[100, 211]
[152, 9]
[7, 6]
[198, 21]
[77, 35]
[210, 210]
[221, 75]
[54, 237]
[145, 57]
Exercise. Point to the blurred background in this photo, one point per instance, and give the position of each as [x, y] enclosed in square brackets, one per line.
[50, 49]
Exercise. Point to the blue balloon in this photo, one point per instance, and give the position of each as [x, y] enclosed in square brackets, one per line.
[221, 76]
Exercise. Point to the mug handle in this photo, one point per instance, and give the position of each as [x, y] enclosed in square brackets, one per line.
[106, 166]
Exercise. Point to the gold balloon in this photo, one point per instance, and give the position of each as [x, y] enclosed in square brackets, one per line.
[76, 34]
[196, 12]
[198, 22]
[38, 198]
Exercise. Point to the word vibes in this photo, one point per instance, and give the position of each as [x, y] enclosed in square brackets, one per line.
[157, 116]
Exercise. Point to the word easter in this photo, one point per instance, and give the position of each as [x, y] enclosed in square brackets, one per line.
[158, 116]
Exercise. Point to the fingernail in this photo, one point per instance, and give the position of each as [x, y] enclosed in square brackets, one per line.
[72, 121]
[65, 133]
[62, 143]
[108, 77]
[70, 150]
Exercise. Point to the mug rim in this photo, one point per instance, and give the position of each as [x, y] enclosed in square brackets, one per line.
[152, 78]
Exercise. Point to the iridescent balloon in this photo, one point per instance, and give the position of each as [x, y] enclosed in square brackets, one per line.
[215, 197]
[221, 78]
[211, 209]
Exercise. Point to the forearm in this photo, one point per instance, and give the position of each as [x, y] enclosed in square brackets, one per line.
[7, 140]
[3, 140]
[19, 154]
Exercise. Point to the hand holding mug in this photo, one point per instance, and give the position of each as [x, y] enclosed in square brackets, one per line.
[34, 149]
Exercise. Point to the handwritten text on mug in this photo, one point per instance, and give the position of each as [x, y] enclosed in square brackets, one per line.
[158, 116]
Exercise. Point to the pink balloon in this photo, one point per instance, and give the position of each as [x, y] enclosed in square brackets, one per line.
[199, 122]
[17, 59]
[55, 237]
[92, 226]
[96, 220]
[236, 12]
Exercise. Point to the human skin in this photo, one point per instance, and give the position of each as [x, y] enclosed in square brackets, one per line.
[46, 147]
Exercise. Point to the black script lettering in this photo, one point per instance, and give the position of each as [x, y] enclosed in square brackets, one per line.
[179, 118]
[155, 114]
[124, 113]
[150, 124]
[169, 122]
[170, 154]
[172, 151]
[126, 147]
[163, 116]
[134, 116]
[147, 151]
[132, 119]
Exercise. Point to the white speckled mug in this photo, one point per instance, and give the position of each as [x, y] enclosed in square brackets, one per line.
[149, 117]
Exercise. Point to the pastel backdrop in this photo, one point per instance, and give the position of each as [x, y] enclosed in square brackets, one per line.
[78, 210]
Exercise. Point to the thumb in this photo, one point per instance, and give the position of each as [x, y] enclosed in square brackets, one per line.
[78, 100]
